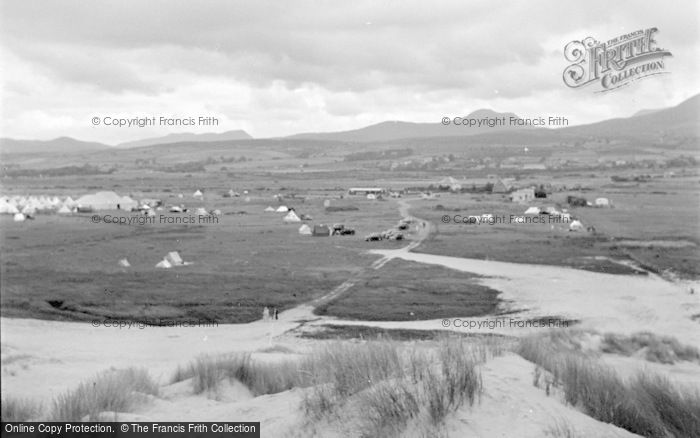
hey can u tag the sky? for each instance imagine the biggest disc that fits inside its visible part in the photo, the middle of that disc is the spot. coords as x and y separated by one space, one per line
279 68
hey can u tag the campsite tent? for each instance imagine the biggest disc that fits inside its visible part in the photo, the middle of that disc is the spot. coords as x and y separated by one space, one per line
305 230
576 226
197 194
532 210
19 217
371 196
201 212
124 263
291 217
269 209
282 209
106 201
602 202
174 258
164 264
64 210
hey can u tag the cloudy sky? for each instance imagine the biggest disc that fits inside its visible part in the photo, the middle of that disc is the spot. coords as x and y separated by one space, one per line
278 68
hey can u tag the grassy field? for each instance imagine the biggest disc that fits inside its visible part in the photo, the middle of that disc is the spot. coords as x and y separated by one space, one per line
661 211
405 291
243 263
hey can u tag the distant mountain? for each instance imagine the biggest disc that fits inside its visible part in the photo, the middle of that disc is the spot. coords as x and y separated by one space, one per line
644 112
395 130
186 136
61 144
681 120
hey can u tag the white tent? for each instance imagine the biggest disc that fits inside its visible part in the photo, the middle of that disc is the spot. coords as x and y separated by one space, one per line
197 194
269 209
64 210
124 263
105 201
8 208
371 196
174 258
602 202
164 264
305 230
576 226
201 212
532 210
175 209
282 209
291 217
29 209
327 203
69 202
19 217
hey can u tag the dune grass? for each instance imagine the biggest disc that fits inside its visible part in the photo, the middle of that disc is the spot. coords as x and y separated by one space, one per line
207 372
19 409
115 390
648 405
379 386
661 349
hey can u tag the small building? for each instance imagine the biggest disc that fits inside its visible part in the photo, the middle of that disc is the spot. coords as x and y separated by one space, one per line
523 195
322 230
366 191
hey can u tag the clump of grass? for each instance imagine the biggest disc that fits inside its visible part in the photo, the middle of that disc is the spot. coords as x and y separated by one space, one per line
341 370
19 409
661 349
394 385
388 407
117 390
561 429
207 373
647 405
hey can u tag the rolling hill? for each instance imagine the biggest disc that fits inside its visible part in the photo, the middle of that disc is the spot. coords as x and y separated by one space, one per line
396 130
61 144
187 137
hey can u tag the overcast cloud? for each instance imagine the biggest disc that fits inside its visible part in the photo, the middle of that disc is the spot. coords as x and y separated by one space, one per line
279 68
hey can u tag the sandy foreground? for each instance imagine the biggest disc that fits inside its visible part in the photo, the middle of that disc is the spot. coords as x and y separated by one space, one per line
40 359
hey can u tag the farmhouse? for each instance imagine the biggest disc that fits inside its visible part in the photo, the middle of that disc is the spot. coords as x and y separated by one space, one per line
523 195
366 191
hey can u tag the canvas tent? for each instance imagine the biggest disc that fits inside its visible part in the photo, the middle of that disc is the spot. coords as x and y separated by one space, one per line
532 210
576 226
282 209
201 212
164 264
291 217
124 263
197 194
269 209
64 210
602 202
19 217
106 201
174 258
305 230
